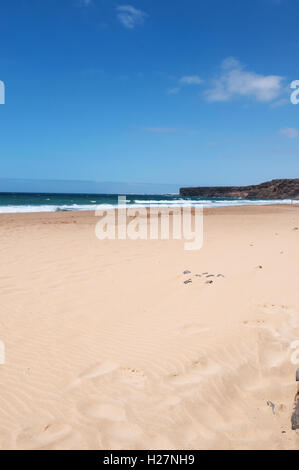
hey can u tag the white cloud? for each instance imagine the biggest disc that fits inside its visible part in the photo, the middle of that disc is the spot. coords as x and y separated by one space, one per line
185 80
191 80
235 81
289 132
130 17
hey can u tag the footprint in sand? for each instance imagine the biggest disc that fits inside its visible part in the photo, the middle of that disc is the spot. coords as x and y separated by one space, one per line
254 323
97 370
193 329
197 371
285 320
272 353
169 401
273 309
103 411
189 378
133 377
205 366
123 435
38 437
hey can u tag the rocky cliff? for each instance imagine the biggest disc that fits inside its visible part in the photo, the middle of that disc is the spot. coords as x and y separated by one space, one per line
275 189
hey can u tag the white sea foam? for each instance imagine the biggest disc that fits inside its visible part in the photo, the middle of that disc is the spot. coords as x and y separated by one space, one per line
8 209
44 208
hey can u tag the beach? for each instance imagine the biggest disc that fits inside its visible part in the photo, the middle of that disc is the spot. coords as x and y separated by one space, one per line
107 347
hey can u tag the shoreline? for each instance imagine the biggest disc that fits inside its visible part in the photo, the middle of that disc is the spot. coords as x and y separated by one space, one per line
140 204
80 215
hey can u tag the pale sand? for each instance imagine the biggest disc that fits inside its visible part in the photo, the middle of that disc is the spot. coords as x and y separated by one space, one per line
107 348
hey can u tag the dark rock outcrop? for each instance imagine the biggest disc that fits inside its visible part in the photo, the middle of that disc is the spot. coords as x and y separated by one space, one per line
275 189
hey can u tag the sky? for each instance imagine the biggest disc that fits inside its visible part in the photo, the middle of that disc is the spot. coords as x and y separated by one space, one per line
191 92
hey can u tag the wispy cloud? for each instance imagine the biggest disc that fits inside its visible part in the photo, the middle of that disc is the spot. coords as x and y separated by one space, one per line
281 102
185 80
171 130
191 80
160 130
173 91
289 132
130 17
235 81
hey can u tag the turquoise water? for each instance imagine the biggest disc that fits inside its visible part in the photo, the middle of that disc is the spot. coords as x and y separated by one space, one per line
26 202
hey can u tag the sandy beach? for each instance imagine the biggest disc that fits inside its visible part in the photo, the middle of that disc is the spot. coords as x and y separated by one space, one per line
108 348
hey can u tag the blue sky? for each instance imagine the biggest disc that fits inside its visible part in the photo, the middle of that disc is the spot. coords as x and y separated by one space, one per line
186 92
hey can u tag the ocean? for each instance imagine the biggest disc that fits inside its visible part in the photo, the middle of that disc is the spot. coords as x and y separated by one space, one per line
35 202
